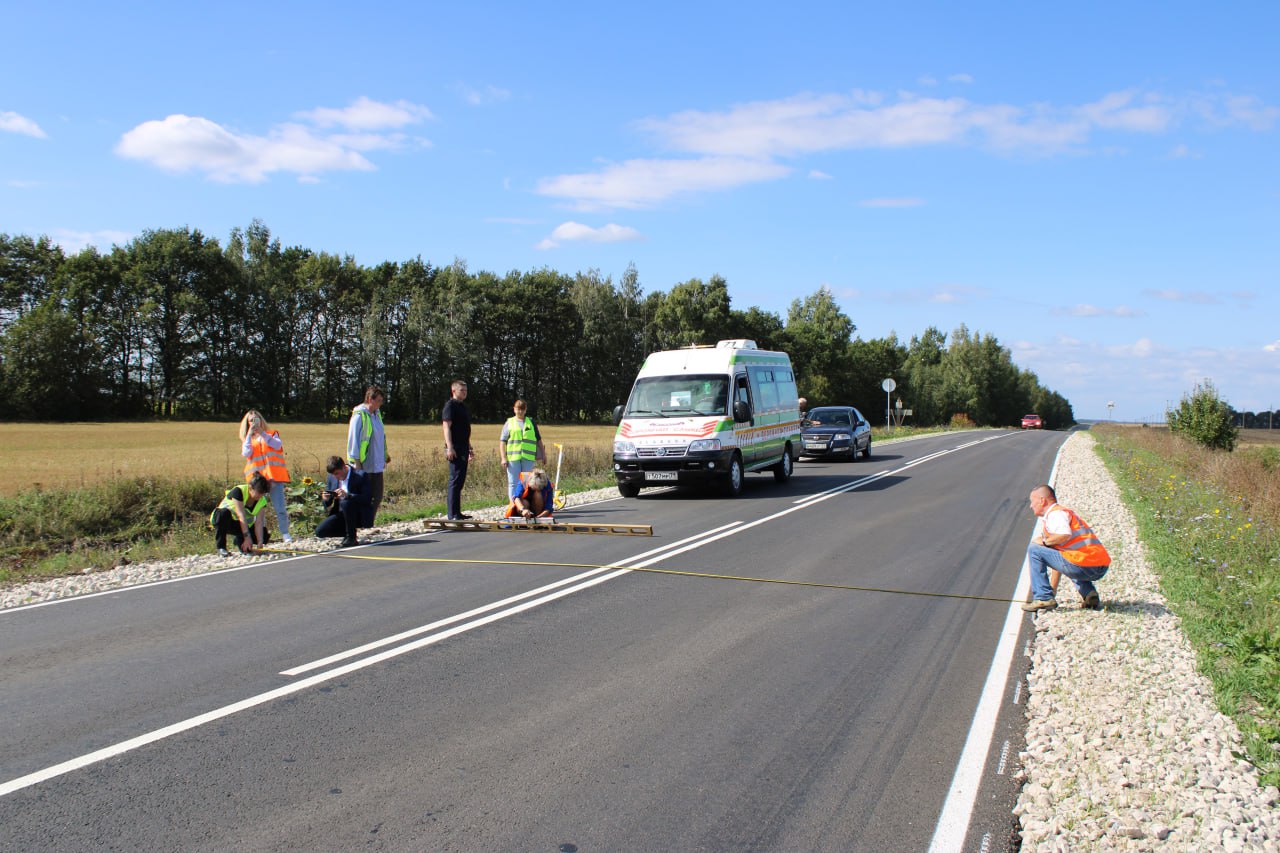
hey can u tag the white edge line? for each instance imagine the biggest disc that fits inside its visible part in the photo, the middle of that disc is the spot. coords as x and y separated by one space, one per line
122 747
957 810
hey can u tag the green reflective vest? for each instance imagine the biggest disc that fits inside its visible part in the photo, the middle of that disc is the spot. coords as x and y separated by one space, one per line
522 444
229 503
367 423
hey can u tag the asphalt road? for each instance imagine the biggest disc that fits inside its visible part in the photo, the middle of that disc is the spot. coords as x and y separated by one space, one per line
505 692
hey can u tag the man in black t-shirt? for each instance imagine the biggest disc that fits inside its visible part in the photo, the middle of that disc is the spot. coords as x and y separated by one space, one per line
457 447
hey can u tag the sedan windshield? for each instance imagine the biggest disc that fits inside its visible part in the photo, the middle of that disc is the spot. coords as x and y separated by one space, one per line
829 417
664 396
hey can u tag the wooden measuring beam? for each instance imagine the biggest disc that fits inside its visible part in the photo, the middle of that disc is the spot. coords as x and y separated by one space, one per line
519 525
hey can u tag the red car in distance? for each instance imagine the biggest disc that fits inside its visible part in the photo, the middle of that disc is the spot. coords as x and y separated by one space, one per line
1032 422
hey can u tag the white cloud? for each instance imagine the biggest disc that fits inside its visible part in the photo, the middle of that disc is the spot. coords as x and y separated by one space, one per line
73 241
1272 347
1118 111
1085 310
960 78
1141 348
180 143
743 143
11 122
367 114
570 232
891 202
485 95
1193 296
1226 109
819 175
643 183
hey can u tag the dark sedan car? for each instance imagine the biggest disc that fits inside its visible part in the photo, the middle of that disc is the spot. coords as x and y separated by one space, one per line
835 431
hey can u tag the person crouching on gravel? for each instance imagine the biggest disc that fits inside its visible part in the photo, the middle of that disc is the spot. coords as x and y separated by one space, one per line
240 514
1066 546
536 499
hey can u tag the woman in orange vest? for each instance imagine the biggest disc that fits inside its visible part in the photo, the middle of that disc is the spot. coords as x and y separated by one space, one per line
264 454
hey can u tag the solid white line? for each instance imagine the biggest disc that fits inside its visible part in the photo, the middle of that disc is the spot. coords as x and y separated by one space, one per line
288 689
660 553
413 632
957 811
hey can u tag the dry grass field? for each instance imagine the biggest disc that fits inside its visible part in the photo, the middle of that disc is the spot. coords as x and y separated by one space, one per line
81 454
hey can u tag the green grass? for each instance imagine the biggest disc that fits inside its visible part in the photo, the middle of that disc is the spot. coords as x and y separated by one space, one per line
1211 524
48 533
91 520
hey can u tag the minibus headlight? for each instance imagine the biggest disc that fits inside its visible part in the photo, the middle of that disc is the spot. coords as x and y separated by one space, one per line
703 445
624 448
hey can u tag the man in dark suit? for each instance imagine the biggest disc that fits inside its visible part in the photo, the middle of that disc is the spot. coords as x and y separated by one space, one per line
348 496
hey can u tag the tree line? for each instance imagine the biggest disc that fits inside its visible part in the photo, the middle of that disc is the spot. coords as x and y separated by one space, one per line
175 324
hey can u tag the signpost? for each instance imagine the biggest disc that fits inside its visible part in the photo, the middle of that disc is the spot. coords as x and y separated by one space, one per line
888 385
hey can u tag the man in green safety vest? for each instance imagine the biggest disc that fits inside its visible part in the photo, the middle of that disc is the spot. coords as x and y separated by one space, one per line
519 447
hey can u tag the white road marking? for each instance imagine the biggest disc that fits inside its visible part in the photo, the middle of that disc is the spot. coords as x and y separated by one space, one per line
587 580
953 822
413 632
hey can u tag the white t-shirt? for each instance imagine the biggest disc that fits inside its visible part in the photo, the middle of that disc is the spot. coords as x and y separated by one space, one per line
1056 521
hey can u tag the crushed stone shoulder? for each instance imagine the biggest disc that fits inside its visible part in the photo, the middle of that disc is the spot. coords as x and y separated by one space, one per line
1125 748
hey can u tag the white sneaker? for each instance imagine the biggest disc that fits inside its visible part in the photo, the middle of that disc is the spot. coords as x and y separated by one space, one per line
288 540
223 552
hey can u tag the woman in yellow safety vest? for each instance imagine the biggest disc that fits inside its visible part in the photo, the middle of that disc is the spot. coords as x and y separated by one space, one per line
519 447
264 454
240 514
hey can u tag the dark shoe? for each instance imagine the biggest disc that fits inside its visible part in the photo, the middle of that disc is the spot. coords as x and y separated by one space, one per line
349 542
1040 604
1092 602
463 517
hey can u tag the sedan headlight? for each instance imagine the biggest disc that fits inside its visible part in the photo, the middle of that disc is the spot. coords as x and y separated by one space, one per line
842 436
624 448
703 445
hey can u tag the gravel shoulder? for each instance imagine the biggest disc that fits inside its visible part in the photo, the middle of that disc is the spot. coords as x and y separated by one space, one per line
1124 749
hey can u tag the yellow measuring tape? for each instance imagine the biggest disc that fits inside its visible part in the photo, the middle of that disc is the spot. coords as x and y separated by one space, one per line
674 572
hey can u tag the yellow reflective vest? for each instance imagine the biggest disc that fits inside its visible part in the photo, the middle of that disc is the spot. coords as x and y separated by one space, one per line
229 503
522 444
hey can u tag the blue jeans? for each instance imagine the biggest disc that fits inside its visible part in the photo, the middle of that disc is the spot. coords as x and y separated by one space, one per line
278 504
514 470
1041 558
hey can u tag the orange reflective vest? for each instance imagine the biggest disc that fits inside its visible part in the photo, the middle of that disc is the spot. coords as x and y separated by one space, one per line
1084 548
263 457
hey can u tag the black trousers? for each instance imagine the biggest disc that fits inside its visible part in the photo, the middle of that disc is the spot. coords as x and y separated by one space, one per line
375 490
225 521
457 479
343 521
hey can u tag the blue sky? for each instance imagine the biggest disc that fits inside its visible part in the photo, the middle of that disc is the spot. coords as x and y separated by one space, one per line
1094 184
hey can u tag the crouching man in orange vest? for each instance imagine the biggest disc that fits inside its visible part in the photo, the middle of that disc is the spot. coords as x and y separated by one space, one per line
1067 546
536 500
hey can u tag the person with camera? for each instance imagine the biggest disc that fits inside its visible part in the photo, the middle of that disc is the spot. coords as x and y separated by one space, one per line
348 497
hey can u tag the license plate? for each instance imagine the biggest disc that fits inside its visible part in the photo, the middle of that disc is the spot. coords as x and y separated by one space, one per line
660 475
813 445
